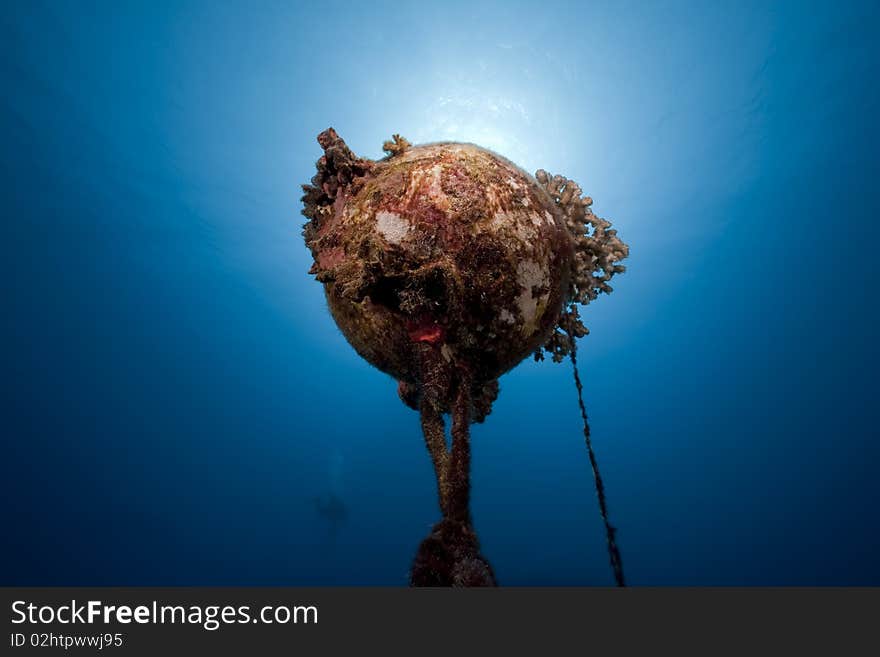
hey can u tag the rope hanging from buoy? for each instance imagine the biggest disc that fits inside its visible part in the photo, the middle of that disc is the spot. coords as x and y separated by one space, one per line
610 531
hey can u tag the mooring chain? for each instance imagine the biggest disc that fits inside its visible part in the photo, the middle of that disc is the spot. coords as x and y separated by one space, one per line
610 531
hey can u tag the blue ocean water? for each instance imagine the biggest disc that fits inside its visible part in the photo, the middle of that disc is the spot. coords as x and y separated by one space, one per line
176 395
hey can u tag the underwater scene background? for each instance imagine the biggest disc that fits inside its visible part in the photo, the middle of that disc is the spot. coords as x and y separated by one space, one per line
179 407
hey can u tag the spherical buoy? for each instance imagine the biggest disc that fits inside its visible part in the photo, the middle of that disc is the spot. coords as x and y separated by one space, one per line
445 265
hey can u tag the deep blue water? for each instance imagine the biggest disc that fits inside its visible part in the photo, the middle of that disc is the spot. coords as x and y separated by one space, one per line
176 394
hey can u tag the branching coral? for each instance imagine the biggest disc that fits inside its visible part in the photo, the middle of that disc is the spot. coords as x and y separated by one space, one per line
598 252
395 145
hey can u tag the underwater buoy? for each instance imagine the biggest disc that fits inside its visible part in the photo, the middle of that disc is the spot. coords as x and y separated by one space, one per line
445 265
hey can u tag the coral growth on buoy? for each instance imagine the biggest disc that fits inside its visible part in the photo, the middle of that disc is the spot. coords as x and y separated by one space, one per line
445 265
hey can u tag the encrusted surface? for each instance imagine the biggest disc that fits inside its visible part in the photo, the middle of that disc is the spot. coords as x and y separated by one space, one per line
446 244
